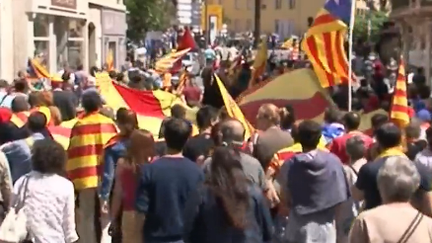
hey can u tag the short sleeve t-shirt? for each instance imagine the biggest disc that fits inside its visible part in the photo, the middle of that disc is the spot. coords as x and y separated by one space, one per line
367 181
162 192
199 145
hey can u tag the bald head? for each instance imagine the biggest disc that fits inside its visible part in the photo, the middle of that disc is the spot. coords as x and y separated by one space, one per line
232 131
20 104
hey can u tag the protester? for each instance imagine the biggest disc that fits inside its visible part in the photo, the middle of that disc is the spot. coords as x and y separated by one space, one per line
312 194
351 122
395 220
82 167
5 186
356 150
425 156
19 104
231 134
49 204
389 138
197 148
272 138
332 127
228 208
65 99
177 111
115 149
140 151
164 186
414 144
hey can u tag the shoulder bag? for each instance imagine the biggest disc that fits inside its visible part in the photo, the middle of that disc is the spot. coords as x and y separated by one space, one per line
14 226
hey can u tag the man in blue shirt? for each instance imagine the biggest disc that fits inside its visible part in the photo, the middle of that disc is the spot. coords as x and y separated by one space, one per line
164 187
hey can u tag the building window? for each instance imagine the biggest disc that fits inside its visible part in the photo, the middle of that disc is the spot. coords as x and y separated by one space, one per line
237 25
69 34
112 50
278 4
42 52
237 4
248 24
291 4
41 25
277 26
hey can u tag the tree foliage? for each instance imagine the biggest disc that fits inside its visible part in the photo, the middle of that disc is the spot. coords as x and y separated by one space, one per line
148 15
377 18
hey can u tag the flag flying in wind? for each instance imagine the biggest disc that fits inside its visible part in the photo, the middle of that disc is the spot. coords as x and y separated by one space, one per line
260 63
172 61
233 109
324 42
167 62
35 70
87 140
399 112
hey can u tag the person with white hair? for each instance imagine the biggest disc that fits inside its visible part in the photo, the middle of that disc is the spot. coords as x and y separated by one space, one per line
396 220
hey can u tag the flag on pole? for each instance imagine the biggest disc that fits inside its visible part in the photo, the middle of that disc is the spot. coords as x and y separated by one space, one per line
233 109
399 112
324 42
260 63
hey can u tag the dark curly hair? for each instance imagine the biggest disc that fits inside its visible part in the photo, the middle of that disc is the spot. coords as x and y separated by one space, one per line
52 164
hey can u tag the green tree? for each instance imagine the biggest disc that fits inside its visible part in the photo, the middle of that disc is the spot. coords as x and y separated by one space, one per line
377 18
148 15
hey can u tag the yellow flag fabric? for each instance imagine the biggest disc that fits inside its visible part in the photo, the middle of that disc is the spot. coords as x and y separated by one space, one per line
233 109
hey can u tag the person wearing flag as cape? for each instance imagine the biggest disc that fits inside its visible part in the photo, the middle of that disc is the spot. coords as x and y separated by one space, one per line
87 140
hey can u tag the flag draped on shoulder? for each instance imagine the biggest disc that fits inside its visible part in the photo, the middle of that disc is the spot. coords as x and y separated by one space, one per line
324 42
88 138
399 112
233 109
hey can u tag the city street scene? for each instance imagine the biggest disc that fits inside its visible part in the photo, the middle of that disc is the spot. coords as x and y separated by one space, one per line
215 121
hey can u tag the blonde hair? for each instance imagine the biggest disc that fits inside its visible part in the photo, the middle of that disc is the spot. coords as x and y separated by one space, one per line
271 113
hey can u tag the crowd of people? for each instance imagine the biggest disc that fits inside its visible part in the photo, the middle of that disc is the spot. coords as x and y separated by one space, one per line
290 182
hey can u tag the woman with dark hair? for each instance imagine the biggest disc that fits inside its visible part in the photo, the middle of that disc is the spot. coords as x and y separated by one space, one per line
127 122
140 150
228 207
49 197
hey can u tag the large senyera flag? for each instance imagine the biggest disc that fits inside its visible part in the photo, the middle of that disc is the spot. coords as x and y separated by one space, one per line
88 138
324 42
151 108
399 112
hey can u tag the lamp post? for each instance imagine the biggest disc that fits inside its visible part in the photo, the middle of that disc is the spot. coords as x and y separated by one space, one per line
257 27
206 24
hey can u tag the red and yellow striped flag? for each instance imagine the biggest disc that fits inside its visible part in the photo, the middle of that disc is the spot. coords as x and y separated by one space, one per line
233 109
324 43
167 62
87 140
260 63
399 112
